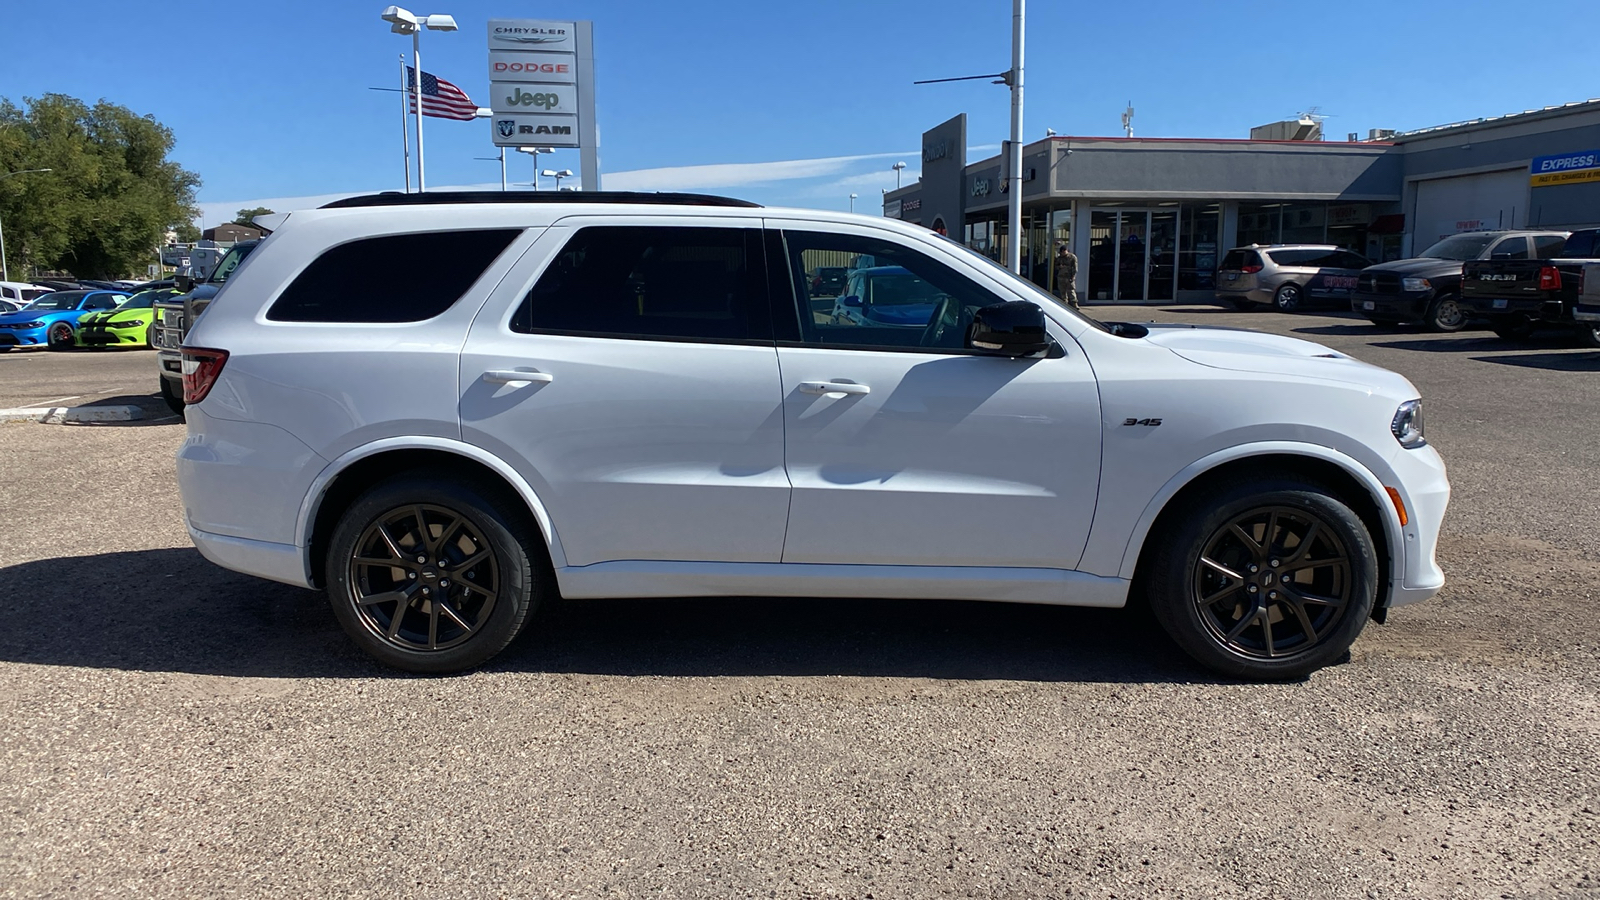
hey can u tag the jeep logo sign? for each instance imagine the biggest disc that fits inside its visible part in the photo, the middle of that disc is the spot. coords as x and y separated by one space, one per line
939 150
514 96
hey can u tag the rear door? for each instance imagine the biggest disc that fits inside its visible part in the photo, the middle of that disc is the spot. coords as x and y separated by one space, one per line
626 368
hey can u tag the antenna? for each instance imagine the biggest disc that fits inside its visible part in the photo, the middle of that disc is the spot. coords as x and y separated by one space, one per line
1127 120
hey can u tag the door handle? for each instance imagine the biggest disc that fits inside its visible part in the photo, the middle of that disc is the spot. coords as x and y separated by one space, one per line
833 387
513 376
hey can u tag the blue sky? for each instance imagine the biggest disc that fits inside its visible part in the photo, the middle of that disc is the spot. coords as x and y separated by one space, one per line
780 102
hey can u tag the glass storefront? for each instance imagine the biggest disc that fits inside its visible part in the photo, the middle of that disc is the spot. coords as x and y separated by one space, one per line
1315 222
1197 248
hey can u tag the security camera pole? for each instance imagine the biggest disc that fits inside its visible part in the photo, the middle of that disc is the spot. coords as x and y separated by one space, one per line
404 21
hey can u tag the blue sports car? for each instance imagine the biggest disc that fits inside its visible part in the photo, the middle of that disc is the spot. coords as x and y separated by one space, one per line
885 295
52 319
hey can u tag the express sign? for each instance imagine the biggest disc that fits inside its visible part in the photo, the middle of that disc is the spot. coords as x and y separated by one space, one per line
1565 168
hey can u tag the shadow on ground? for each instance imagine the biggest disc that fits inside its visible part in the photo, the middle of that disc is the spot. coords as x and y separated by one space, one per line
1571 361
171 611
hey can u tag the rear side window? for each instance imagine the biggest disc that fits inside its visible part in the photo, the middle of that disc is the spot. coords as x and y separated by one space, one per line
1296 257
1238 259
665 283
1582 245
1510 248
395 278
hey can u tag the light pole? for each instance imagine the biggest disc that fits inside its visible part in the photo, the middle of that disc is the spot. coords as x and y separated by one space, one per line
898 168
5 274
557 175
536 151
404 21
500 159
852 202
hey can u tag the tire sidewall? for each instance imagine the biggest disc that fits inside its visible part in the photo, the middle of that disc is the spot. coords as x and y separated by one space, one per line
1171 586
514 603
57 343
1432 317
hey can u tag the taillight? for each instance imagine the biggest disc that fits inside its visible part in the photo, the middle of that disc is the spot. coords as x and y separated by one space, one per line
1250 270
201 366
1549 278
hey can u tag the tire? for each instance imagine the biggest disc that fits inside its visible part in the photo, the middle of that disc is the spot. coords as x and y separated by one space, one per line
173 399
1589 336
1288 298
1384 321
1445 315
1235 634
468 541
150 337
1512 329
60 336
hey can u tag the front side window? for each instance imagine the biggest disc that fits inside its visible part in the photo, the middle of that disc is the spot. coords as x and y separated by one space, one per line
394 278
652 282
894 297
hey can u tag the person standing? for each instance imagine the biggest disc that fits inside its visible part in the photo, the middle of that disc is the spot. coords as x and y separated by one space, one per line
1067 276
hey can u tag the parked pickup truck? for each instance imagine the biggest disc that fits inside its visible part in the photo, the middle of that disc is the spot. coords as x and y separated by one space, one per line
1427 288
175 316
1517 295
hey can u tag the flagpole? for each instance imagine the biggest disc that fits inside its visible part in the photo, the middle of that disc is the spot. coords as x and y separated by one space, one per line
416 57
502 168
405 128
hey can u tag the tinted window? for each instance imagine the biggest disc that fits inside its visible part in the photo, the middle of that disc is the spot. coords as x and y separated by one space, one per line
397 278
1297 258
1510 248
1582 245
1458 246
891 295
1345 259
681 283
1238 259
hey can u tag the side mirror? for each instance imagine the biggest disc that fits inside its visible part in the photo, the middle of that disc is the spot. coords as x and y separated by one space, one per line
852 300
1015 328
183 282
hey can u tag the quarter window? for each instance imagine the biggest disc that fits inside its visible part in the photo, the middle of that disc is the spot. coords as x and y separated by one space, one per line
661 283
891 297
395 278
1546 246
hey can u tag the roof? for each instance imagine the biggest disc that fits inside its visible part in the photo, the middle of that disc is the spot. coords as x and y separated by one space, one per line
390 198
1542 112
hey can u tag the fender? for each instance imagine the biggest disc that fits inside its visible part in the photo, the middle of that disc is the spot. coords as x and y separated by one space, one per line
1393 532
319 486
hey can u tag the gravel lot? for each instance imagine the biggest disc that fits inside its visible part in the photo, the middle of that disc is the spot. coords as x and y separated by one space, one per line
170 729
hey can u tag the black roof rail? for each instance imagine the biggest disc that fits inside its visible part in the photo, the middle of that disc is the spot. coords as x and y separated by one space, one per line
395 198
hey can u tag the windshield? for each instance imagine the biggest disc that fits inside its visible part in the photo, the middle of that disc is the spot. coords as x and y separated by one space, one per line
1458 246
1032 288
58 300
141 300
230 262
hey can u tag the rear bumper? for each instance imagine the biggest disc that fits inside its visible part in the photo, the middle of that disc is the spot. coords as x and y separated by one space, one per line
1530 307
1254 295
284 563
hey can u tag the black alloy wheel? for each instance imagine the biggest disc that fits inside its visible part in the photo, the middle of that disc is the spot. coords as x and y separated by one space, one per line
427 575
1268 579
1445 315
1288 298
59 337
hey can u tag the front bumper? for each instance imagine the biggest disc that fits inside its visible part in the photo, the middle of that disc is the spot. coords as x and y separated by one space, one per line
1425 490
111 337
16 337
1400 306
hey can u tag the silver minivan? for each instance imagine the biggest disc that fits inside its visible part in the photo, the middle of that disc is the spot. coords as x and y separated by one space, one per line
1288 276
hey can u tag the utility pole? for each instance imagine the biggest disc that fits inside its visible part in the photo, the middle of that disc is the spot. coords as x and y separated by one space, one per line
1014 202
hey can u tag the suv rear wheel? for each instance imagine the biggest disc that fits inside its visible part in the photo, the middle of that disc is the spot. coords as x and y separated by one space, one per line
1288 297
1267 578
428 575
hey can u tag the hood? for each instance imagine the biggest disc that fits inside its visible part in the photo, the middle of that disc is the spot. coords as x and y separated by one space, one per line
1270 354
1422 267
40 315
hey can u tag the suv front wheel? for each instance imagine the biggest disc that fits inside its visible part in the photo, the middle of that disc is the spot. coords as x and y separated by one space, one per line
427 575
1268 578
1445 315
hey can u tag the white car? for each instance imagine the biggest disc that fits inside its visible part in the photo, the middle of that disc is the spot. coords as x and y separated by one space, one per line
444 409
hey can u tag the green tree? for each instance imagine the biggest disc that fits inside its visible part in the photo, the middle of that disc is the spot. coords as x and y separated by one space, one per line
111 193
245 215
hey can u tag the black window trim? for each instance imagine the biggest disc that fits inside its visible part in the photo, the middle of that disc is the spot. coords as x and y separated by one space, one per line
576 224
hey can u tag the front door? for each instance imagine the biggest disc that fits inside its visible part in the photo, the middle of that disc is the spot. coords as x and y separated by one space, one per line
626 368
906 449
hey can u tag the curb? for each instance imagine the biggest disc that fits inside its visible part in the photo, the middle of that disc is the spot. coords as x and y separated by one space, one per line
61 415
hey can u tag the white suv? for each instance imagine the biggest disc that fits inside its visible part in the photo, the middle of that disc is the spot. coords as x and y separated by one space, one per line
446 408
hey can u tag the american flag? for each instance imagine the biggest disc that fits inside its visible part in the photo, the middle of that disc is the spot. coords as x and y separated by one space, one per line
440 98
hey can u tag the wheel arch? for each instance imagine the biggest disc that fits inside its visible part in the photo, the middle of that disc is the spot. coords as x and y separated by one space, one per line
1355 484
355 471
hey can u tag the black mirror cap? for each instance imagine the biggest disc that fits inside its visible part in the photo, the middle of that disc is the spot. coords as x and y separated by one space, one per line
1013 328
184 283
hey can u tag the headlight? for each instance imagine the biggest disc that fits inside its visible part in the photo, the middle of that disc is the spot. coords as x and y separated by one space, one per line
136 323
1416 284
1407 425
35 324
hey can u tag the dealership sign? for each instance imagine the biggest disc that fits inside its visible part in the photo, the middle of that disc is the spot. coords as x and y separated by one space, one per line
1565 168
541 84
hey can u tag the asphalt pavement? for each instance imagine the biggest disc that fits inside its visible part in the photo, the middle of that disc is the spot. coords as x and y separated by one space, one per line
170 729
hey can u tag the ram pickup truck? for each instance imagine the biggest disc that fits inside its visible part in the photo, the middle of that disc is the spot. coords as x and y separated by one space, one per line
1518 295
1427 288
175 316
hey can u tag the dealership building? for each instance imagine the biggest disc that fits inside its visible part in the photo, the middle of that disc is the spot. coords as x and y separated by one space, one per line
1149 217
